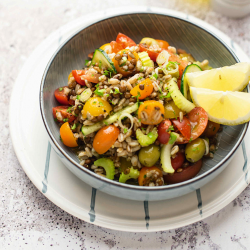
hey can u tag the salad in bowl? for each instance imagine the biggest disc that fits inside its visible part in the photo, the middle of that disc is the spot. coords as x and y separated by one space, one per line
148 114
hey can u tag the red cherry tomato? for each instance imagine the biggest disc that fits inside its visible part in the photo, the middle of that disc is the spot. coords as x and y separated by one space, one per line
186 174
198 118
91 77
163 44
125 41
163 133
105 138
183 126
67 116
116 47
143 173
178 160
61 97
152 54
211 129
77 75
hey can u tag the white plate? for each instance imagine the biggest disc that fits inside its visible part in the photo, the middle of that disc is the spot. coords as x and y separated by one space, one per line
58 184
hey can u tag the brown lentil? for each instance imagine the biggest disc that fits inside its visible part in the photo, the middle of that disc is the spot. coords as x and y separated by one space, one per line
118 57
131 66
100 118
141 87
122 89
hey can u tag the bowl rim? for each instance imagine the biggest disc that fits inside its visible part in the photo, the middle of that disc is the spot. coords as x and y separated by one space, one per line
124 185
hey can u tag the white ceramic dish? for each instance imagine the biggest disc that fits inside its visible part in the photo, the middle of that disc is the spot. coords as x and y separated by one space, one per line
58 184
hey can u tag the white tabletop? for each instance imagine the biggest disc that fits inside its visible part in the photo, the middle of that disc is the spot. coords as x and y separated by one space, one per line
28 219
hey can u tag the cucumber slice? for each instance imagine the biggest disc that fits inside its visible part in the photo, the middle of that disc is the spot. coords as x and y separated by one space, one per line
90 129
149 41
166 154
184 84
148 139
180 101
145 59
102 58
85 95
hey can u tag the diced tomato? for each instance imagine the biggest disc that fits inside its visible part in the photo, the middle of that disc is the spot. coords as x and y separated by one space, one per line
90 55
77 75
183 126
152 54
66 115
61 97
125 41
116 47
163 131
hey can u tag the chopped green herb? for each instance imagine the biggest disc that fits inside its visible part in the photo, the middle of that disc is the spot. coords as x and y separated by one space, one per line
55 119
69 109
139 78
195 149
111 91
172 138
125 130
106 123
123 64
170 128
155 76
65 119
214 128
144 176
74 126
101 104
99 92
78 97
138 95
86 62
61 138
190 139
117 91
143 128
141 70
168 95
94 102
108 72
60 89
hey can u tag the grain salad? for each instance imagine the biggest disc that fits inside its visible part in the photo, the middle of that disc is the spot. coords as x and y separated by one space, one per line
129 115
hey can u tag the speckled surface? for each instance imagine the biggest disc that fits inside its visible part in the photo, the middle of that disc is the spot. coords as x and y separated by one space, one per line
28 220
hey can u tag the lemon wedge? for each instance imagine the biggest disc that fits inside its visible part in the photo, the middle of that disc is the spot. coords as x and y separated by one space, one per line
229 78
228 108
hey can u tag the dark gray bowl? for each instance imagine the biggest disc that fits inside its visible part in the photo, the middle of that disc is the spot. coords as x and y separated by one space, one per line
179 33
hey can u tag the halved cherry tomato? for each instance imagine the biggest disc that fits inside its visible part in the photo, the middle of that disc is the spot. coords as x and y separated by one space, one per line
198 118
163 44
67 116
151 112
120 69
181 63
107 48
183 126
91 77
61 97
152 54
125 41
143 90
105 138
143 174
96 106
186 174
178 161
116 47
77 75
211 129
67 136
163 131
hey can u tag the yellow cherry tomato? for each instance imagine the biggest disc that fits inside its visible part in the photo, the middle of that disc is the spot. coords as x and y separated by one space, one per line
67 136
96 106
151 112
143 90
120 69
107 48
